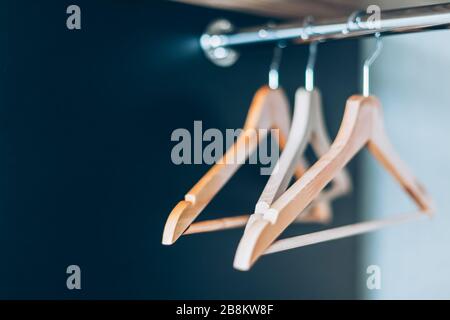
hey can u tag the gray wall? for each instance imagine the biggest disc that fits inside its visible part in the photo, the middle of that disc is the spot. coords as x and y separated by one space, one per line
412 79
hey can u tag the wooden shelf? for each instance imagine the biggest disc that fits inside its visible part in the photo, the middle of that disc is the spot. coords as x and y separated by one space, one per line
292 9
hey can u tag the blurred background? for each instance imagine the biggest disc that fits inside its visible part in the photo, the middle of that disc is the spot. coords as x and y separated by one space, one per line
411 80
86 118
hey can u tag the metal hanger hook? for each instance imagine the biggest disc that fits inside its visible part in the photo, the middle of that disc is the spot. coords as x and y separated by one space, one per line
309 73
274 80
368 63
353 21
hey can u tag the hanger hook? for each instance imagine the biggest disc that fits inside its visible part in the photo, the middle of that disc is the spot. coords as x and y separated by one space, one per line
368 63
353 21
274 81
309 73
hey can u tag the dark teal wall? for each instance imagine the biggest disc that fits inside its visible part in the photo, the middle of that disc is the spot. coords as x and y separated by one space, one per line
85 171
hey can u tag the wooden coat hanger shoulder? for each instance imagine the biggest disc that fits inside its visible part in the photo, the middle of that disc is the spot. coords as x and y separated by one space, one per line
362 126
307 127
269 109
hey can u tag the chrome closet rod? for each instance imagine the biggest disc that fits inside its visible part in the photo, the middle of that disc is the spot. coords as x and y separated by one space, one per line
223 36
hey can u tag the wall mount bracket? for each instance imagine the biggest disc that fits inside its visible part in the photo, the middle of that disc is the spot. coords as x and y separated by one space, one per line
212 43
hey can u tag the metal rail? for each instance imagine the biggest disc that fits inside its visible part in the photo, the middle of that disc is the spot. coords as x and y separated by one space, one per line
221 38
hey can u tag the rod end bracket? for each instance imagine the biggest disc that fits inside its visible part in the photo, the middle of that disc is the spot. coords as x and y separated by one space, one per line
214 43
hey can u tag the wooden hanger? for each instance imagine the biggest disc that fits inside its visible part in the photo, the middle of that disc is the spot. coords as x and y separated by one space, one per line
307 127
269 109
362 126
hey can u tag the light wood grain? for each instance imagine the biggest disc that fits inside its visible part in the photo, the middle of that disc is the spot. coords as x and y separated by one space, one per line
340 232
320 213
290 9
269 109
308 127
296 9
362 126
